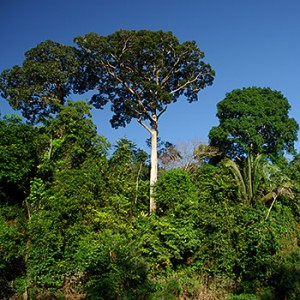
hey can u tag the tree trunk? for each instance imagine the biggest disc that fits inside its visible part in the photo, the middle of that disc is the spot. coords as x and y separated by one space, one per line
154 163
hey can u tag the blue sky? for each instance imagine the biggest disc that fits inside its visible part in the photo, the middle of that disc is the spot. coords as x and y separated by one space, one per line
247 42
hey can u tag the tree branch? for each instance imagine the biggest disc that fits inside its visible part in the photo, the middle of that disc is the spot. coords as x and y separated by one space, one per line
144 125
167 77
161 112
185 84
137 183
122 82
273 202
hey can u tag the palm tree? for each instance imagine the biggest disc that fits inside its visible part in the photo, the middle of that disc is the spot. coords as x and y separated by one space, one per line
258 180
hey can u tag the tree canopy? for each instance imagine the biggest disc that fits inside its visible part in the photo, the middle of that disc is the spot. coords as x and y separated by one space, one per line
44 80
254 120
141 72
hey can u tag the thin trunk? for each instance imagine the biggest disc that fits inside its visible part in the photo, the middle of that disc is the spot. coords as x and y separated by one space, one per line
137 183
250 187
49 154
273 202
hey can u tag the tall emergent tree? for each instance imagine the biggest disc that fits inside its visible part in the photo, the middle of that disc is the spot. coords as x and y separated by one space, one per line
44 80
254 120
141 73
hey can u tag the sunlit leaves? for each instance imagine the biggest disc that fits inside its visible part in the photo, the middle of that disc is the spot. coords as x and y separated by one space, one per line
71 137
175 194
44 80
254 120
141 72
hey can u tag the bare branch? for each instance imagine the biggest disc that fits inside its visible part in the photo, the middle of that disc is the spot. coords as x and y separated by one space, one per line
122 82
125 46
187 83
157 76
173 69
109 64
167 77
162 112
137 183
272 204
144 125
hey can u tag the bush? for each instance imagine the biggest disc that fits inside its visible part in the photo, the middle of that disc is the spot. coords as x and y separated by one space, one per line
286 278
175 194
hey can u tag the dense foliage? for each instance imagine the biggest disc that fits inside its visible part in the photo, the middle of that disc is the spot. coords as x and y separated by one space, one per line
254 120
139 72
45 79
75 223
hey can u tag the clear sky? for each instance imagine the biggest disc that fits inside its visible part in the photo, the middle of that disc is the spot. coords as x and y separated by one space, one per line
247 42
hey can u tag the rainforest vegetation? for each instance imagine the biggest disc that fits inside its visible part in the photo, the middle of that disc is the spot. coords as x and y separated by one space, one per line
81 218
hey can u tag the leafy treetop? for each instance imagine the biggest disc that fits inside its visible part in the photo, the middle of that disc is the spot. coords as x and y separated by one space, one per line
254 120
141 72
44 80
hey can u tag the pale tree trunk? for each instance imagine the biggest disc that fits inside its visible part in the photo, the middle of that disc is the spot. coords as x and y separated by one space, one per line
153 172
154 161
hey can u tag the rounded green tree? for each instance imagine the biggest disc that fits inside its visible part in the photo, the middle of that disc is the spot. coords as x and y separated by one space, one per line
254 120
45 79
